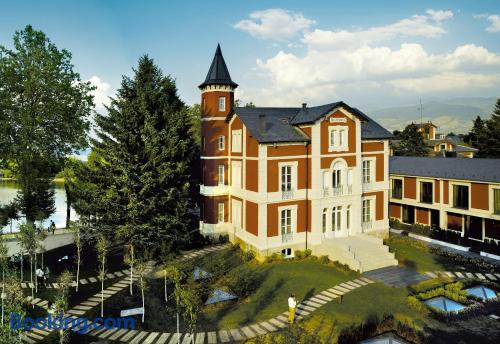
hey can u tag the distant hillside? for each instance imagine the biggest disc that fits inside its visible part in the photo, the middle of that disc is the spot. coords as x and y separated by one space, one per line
449 115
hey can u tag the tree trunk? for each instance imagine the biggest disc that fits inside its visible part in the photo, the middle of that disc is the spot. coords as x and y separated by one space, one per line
22 267
78 271
68 204
143 307
166 296
102 290
131 267
36 278
3 289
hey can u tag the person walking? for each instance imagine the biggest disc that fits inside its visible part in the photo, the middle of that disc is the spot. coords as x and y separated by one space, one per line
52 227
46 276
39 277
292 304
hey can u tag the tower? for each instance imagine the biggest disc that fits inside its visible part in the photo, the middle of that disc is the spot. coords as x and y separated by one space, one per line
217 101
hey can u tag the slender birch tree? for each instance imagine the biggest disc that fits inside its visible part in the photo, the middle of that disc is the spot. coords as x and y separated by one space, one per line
102 251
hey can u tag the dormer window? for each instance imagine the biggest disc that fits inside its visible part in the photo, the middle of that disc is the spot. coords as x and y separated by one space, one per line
222 103
337 138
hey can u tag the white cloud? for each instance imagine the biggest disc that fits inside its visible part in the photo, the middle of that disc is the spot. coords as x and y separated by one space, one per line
418 25
344 62
439 15
494 20
275 24
446 82
101 93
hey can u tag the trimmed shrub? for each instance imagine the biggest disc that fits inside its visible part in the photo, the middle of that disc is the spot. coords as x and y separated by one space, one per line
324 259
417 305
307 252
244 280
275 257
313 258
248 256
299 254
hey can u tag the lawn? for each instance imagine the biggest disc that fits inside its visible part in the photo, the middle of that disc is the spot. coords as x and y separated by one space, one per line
304 278
373 300
415 254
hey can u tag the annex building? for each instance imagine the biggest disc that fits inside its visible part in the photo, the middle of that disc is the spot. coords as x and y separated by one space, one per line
455 194
280 179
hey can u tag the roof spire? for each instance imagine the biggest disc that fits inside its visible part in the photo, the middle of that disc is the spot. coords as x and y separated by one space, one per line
218 74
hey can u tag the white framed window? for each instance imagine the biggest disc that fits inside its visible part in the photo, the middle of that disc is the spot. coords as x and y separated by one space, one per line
222 103
220 173
336 176
286 221
367 171
367 210
348 217
220 212
236 173
325 211
336 218
236 141
337 138
287 252
286 178
221 142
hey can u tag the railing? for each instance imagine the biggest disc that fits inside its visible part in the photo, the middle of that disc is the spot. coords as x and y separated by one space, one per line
286 237
367 225
286 194
340 190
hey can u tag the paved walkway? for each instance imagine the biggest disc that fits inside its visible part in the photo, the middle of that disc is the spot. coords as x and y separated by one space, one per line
464 274
38 335
82 281
396 276
305 308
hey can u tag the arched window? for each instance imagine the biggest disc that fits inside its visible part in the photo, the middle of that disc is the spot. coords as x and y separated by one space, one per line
337 174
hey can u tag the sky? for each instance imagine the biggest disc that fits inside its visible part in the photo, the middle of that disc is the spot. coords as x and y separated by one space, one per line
370 54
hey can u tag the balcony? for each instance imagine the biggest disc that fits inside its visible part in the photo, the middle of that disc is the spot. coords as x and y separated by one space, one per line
286 237
341 190
286 194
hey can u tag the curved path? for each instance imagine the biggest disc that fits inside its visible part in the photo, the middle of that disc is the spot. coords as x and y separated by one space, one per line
463 274
237 334
38 335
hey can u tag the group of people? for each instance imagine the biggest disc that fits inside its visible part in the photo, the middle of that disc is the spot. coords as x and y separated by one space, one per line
42 276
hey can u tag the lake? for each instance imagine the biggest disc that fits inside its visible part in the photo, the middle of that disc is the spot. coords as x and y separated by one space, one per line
8 191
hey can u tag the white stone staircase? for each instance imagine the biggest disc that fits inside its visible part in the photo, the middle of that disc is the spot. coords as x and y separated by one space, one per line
361 252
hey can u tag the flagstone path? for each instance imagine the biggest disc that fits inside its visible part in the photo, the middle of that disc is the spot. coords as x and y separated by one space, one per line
396 276
463 274
304 309
38 335
82 281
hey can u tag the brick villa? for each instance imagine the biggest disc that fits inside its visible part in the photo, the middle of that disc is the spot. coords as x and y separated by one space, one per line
291 178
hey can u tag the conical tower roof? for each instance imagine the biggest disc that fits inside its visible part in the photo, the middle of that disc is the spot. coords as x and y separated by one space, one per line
218 74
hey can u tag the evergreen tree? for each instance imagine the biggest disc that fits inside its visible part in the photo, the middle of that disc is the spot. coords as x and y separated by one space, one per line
489 142
475 136
411 142
139 178
44 116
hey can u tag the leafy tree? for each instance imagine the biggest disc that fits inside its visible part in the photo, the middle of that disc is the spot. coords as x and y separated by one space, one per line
411 142
142 269
397 134
44 116
61 301
11 213
77 227
68 173
28 242
4 263
139 177
13 302
194 115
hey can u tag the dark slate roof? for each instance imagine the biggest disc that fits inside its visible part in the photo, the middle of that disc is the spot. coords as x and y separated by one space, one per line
312 114
281 122
277 127
218 74
481 170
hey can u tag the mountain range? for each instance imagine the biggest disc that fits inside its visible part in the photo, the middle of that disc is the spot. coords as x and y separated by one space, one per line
450 115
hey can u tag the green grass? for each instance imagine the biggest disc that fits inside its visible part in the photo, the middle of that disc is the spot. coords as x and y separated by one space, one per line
372 300
415 255
303 278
